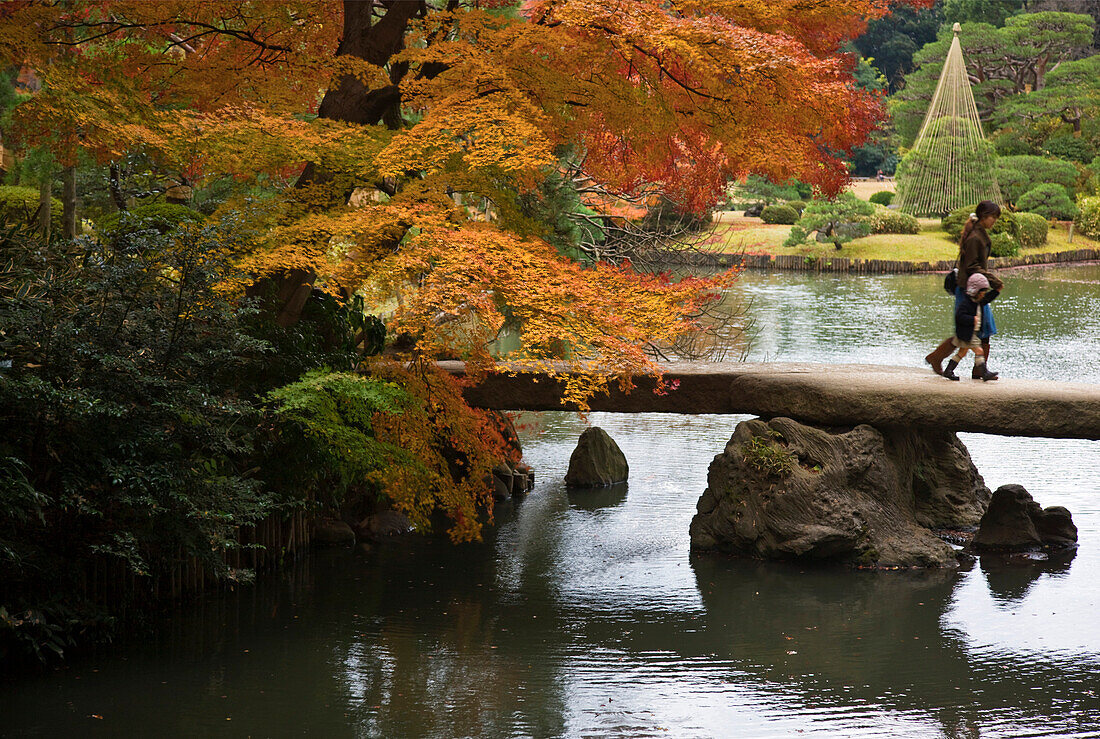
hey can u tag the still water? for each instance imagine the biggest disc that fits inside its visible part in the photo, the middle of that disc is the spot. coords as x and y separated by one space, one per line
584 615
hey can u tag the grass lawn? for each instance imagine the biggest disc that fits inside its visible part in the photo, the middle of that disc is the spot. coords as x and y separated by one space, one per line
735 233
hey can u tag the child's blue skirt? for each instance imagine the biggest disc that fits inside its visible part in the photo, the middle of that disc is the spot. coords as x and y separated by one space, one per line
989 326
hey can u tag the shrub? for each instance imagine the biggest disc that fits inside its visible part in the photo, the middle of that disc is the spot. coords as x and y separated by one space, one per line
1003 245
1049 201
1068 146
837 221
894 222
122 425
160 217
19 205
1033 230
954 221
798 205
1018 174
783 214
882 197
1087 221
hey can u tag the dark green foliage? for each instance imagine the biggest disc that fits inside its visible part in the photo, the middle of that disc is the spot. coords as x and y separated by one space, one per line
1049 200
782 214
1018 174
124 438
882 197
19 207
798 205
1067 146
1003 245
993 12
1008 142
890 42
160 217
1034 229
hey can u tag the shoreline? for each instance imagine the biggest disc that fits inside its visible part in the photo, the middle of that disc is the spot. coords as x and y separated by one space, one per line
839 264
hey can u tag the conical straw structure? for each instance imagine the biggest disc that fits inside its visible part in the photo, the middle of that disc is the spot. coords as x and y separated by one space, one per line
951 164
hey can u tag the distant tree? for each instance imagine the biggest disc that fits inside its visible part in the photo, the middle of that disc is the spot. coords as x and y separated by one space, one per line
999 61
993 12
890 42
1018 174
1071 94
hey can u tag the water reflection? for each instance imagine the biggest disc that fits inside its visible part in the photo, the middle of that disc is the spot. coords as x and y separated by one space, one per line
1010 576
593 499
583 613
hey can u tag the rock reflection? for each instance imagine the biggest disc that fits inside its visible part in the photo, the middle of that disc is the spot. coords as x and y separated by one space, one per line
593 499
1010 576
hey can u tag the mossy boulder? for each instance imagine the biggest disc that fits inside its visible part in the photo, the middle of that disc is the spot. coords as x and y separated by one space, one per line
597 461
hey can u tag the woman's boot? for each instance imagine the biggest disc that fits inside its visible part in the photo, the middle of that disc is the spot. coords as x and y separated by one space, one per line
949 372
938 355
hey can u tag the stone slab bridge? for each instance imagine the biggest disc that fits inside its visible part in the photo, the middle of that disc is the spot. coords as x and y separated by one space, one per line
825 395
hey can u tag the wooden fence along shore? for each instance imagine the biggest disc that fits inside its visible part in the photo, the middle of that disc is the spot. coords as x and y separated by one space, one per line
800 263
280 538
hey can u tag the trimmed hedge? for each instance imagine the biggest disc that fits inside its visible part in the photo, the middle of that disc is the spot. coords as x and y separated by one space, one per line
799 205
783 214
882 197
1003 245
1087 221
1033 230
894 222
18 205
954 221
1049 200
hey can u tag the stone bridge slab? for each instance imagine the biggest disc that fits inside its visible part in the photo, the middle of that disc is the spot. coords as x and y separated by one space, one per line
826 395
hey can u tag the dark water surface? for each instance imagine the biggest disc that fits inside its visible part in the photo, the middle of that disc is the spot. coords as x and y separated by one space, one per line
584 615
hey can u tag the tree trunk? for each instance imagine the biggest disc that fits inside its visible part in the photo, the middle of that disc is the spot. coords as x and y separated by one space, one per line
353 102
45 192
68 202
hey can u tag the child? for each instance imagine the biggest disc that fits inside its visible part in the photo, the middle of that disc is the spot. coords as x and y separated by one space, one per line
968 322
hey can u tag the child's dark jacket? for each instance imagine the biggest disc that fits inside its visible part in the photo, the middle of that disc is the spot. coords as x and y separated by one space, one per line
965 312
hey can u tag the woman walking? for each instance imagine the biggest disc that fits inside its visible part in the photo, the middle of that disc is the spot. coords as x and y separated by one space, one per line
974 249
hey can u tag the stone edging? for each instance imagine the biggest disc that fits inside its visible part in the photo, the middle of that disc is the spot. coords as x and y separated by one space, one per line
798 263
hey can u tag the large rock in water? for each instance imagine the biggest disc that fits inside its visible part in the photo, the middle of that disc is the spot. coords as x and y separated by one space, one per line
596 462
861 496
1015 522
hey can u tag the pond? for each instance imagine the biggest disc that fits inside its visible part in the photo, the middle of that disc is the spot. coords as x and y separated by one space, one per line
583 614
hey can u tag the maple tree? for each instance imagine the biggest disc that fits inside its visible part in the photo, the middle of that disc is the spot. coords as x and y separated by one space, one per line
393 126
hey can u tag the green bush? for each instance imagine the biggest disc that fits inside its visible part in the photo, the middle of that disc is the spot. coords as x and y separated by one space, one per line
125 439
1067 146
18 206
1049 200
836 221
1087 221
160 217
1033 230
894 222
798 205
882 197
1003 245
954 221
783 214
1018 174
